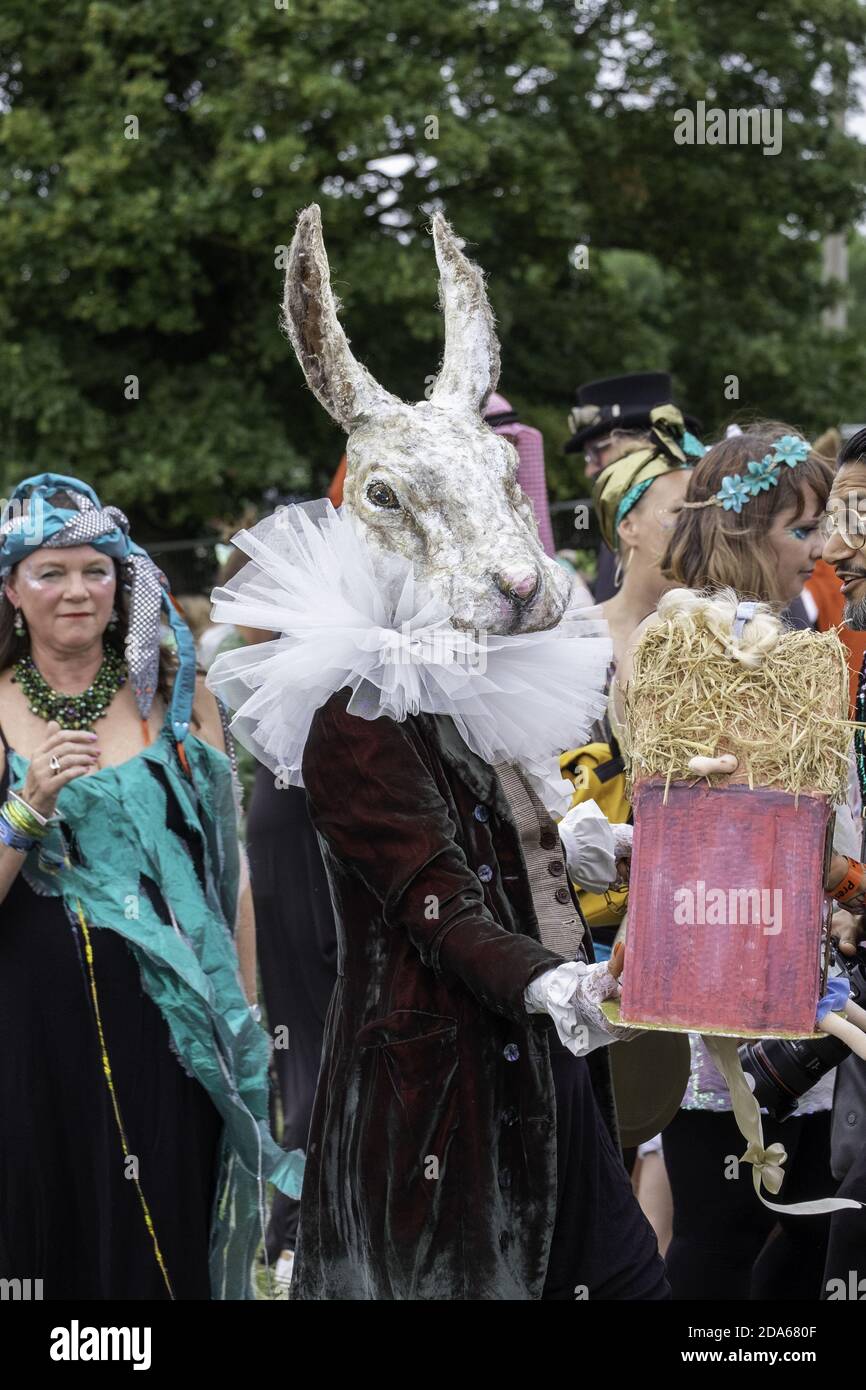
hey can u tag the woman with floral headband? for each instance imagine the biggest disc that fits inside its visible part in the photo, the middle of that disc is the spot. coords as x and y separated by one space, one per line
750 522
751 517
133 1076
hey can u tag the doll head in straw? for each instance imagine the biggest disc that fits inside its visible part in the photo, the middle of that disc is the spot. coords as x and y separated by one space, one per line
751 516
703 683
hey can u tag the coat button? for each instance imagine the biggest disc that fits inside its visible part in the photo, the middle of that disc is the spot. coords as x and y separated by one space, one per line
511 1052
851 1117
555 867
509 1116
485 873
548 839
562 895
482 814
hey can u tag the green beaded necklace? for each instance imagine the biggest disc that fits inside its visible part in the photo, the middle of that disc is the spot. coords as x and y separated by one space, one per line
71 711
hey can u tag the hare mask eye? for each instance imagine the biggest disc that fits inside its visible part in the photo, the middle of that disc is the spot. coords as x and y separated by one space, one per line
382 496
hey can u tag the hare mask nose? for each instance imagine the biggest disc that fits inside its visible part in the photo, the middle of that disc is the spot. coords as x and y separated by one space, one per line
519 587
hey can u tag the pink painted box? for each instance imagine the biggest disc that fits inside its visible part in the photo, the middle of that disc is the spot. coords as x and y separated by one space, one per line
726 907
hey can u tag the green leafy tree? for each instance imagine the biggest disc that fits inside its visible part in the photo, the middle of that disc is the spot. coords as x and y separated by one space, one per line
154 157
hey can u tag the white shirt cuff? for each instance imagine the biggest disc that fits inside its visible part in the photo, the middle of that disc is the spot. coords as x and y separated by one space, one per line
572 994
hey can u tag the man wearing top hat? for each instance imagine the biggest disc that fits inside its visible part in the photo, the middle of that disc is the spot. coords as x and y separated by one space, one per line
610 414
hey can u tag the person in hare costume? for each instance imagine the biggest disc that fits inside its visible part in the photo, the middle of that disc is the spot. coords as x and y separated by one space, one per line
431 667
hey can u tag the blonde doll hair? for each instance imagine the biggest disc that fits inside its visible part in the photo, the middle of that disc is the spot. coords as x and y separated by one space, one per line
691 611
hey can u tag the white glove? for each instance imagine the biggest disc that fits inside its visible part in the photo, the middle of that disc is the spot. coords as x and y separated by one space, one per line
572 994
592 846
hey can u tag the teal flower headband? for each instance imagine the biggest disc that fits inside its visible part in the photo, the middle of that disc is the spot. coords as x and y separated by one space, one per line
739 488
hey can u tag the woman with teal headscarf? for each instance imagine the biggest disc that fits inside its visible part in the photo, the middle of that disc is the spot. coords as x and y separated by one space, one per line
134 1146
636 499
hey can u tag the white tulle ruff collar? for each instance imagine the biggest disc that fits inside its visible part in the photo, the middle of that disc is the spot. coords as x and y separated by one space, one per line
312 579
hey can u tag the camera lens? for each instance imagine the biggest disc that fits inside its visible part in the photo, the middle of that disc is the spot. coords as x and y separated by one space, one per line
783 1069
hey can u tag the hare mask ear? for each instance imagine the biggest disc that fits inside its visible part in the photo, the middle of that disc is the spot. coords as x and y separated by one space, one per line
470 364
334 375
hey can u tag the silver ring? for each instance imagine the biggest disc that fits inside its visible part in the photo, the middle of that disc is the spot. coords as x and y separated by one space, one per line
54 763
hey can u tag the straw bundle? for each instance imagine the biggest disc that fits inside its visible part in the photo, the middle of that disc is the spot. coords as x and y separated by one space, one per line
775 698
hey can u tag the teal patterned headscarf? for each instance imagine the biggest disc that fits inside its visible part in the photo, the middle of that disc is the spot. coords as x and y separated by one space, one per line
622 484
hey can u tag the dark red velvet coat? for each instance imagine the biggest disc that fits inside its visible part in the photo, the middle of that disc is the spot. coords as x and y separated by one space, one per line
431 1164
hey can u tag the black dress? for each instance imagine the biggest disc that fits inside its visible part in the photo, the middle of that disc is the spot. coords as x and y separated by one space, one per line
297 949
69 1214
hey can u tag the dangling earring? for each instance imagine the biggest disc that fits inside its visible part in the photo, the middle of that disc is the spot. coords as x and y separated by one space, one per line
19 623
621 567
112 622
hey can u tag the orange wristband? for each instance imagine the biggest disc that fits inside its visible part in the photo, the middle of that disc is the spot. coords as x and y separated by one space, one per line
852 883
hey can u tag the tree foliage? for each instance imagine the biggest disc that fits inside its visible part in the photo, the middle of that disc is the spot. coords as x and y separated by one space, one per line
537 124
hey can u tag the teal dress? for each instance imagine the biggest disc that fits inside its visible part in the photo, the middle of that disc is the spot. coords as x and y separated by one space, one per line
135 1146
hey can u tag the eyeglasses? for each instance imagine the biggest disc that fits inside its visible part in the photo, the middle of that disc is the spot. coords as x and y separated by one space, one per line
593 452
846 522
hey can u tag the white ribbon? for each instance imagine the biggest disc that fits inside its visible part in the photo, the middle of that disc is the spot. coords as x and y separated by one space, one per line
766 1162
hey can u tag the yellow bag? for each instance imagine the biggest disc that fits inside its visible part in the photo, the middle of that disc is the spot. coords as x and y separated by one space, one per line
596 771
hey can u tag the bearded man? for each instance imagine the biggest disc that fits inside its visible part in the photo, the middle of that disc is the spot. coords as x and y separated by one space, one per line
845 550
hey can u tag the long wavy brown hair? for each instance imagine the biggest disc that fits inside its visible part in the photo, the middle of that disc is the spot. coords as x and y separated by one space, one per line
13 646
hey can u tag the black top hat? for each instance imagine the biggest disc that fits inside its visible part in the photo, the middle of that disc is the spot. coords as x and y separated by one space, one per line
619 403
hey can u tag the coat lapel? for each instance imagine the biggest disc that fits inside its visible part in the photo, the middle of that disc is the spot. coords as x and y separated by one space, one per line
479 776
